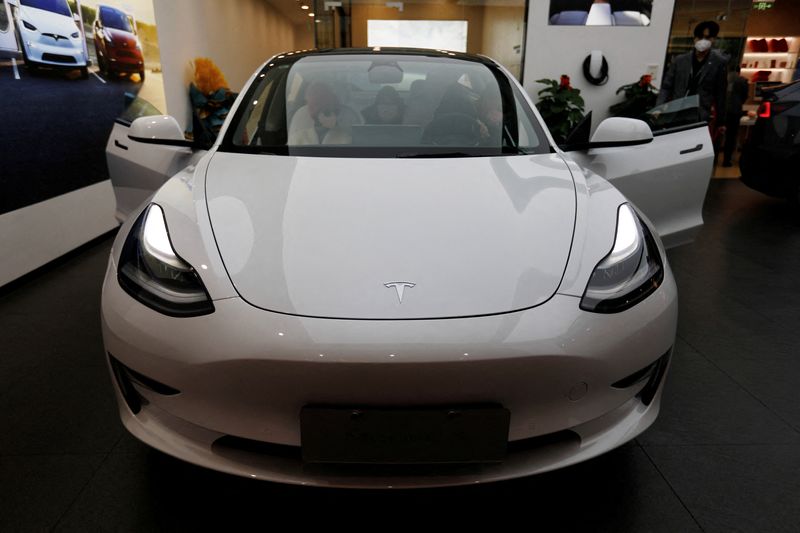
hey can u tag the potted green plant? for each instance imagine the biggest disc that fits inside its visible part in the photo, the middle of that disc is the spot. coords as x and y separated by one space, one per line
561 106
640 97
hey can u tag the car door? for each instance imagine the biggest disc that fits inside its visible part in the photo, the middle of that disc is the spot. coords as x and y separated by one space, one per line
138 169
8 36
667 179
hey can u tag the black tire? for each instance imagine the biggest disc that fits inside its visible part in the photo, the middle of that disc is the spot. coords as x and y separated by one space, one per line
141 76
84 73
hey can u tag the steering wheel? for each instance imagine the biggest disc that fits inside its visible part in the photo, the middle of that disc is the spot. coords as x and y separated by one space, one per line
453 129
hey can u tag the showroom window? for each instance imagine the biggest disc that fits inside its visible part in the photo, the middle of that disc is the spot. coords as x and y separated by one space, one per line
494 29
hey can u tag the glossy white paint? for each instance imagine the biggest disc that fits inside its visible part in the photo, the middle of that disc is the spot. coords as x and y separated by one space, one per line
620 129
666 179
247 372
138 169
162 127
321 236
36 43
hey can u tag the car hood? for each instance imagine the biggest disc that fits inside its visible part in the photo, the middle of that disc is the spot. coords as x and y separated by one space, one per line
48 22
347 238
122 38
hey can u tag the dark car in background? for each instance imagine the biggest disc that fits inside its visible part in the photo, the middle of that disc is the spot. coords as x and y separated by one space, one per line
770 161
116 42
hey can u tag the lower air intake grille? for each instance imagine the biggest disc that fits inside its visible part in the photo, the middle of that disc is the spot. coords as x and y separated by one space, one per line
58 58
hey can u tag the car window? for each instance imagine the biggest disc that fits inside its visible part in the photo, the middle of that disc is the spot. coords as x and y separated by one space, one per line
115 19
55 6
673 114
136 107
370 105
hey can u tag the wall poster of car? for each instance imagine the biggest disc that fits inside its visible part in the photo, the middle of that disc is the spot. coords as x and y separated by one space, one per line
600 12
69 69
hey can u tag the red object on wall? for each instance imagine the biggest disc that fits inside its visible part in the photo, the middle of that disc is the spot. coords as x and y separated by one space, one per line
758 45
778 45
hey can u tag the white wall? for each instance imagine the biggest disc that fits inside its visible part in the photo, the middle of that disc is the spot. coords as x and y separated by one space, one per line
551 51
237 35
35 235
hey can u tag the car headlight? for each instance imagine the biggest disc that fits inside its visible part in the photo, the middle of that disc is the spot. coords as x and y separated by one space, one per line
152 273
630 272
28 25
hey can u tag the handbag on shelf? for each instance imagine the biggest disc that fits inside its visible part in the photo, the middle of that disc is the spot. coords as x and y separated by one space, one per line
778 45
758 45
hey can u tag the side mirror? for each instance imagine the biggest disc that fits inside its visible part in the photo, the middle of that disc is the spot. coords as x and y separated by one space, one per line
616 132
158 129
630 131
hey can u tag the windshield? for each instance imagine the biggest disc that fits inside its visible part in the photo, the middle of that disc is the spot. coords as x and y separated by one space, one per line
56 6
383 105
115 19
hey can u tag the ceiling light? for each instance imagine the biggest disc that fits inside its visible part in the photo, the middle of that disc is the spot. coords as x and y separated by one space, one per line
304 6
311 14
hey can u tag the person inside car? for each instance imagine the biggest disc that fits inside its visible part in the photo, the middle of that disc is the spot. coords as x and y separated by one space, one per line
388 108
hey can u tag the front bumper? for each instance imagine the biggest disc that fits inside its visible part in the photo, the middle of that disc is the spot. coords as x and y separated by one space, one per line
39 50
125 60
245 373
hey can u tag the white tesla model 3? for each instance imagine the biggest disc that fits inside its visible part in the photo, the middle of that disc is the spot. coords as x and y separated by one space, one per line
385 273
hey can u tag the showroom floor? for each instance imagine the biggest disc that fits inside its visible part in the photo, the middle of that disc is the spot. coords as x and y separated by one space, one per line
723 456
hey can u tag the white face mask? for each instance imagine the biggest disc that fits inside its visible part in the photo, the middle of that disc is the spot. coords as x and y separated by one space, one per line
702 45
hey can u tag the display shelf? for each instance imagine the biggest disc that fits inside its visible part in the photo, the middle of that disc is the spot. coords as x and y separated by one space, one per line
780 64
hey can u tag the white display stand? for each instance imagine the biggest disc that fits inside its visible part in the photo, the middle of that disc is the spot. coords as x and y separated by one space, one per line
33 236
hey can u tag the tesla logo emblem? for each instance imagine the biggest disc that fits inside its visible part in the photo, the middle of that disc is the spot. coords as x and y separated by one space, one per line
399 286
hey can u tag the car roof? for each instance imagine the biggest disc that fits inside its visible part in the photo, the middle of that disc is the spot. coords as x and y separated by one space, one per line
387 50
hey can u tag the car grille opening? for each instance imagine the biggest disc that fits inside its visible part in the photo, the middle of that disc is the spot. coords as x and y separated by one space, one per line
228 445
229 442
647 394
58 58
640 375
126 377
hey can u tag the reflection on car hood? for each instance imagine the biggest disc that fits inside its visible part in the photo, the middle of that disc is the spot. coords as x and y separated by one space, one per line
346 238
118 37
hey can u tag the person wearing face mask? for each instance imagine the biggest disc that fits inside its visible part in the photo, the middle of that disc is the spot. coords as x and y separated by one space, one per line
703 72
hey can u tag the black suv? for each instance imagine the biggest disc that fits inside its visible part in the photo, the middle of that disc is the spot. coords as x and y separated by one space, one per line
770 160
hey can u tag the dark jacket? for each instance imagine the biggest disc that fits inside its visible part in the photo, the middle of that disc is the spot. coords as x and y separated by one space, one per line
711 86
738 95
